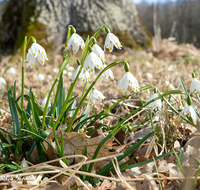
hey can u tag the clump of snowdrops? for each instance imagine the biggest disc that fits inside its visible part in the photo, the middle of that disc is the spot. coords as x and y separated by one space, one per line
37 122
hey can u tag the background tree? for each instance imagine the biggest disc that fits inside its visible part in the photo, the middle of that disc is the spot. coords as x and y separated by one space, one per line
185 13
48 20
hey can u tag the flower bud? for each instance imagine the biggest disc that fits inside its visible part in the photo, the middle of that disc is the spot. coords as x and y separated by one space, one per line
107 29
194 75
126 67
73 29
155 90
94 40
90 49
78 62
189 101
33 39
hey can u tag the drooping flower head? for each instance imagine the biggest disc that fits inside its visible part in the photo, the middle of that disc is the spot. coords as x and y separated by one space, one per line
92 61
99 52
112 40
75 41
40 77
44 101
84 75
189 111
11 71
107 74
2 82
155 104
195 86
97 95
36 51
126 80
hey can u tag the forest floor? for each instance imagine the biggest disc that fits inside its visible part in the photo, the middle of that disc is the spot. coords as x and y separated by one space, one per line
165 64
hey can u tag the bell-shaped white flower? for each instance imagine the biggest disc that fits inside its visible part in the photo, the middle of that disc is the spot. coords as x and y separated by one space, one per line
112 40
195 86
149 75
70 68
128 79
40 77
75 41
155 104
99 52
97 95
84 75
91 61
36 51
11 71
107 74
44 101
2 82
189 111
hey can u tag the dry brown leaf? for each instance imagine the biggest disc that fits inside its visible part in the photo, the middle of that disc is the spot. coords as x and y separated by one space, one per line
175 171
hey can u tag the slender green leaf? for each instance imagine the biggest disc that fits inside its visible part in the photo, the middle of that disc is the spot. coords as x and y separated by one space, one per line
106 168
181 156
144 163
13 110
84 167
73 108
3 152
183 85
36 119
41 151
23 115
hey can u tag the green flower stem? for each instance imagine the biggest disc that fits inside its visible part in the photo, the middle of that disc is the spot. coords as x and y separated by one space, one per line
141 89
69 94
84 89
56 96
22 93
120 126
151 120
90 88
178 162
64 64
174 110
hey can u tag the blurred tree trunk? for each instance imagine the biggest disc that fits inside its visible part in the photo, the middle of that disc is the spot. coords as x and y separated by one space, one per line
47 20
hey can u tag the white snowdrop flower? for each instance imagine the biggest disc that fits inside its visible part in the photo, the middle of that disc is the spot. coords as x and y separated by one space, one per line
112 40
84 75
24 163
2 82
155 104
55 70
64 72
97 95
189 111
75 41
170 68
149 75
195 86
128 79
44 101
70 68
36 51
107 74
49 77
91 61
99 52
114 56
69 74
11 71
40 77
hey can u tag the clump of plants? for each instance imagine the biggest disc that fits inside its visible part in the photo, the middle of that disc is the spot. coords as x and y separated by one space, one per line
40 129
